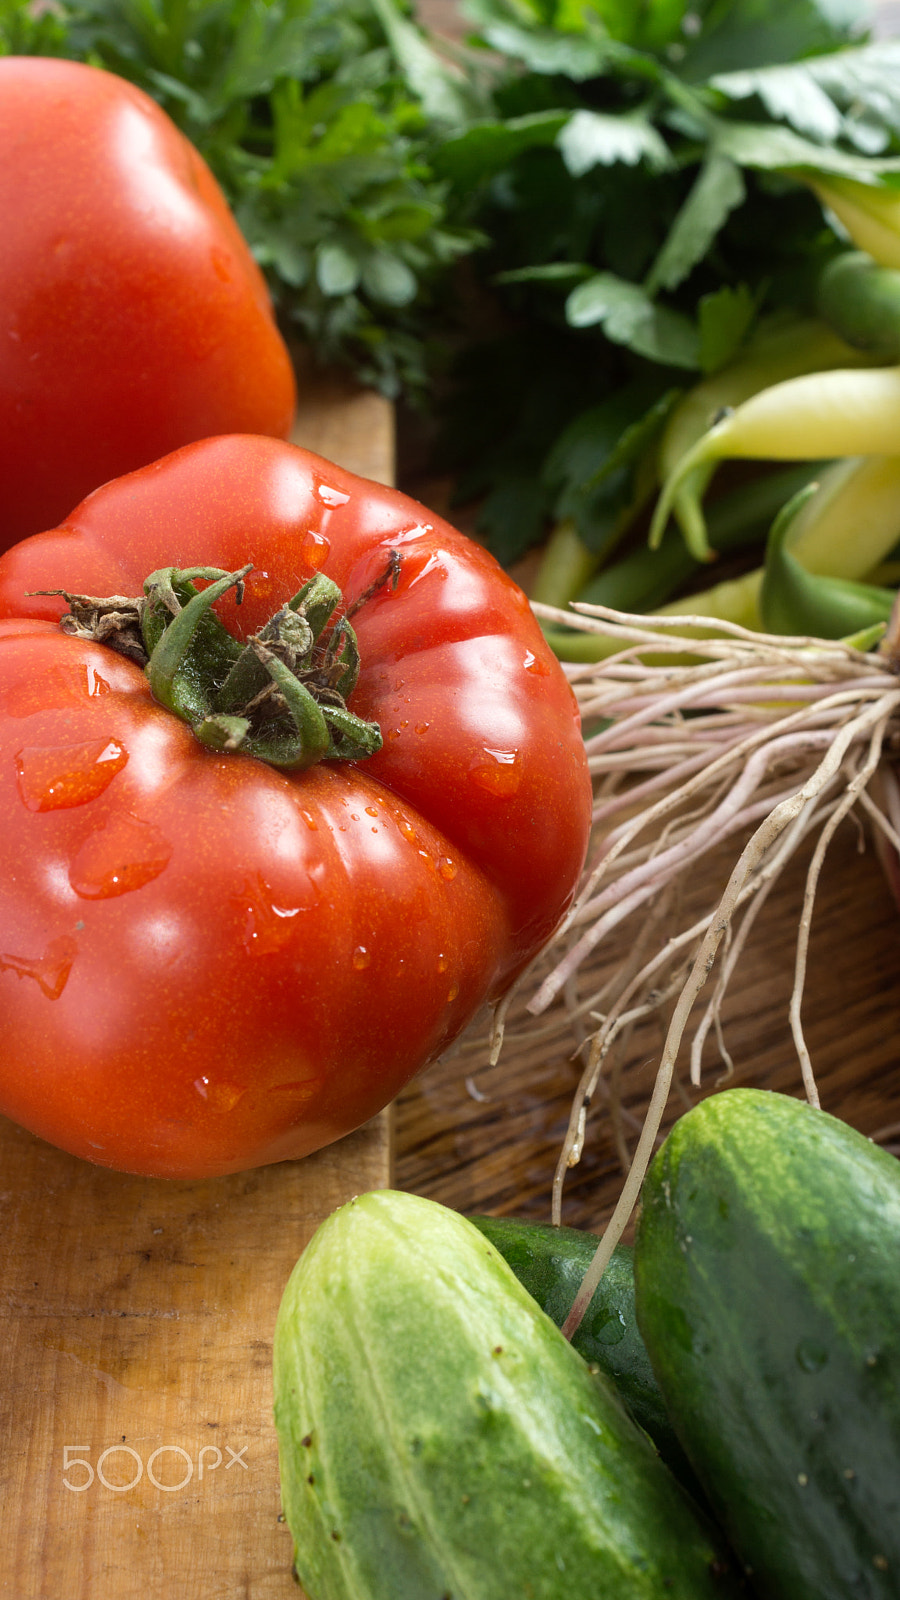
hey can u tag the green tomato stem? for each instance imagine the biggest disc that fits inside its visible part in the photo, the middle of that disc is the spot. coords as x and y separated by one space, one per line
279 696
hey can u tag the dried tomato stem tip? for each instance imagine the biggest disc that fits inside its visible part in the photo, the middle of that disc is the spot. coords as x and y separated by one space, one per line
280 695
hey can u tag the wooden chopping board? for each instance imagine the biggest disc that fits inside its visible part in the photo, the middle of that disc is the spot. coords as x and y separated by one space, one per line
487 1139
137 1449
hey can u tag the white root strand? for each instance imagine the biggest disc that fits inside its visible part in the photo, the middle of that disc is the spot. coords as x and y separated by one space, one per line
701 741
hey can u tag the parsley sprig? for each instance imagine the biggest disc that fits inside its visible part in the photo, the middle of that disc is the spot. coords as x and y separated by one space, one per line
639 186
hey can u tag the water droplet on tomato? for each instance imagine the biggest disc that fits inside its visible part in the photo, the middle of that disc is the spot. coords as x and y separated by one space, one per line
422 727
442 962
330 496
447 868
97 685
121 856
267 926
50 971
314 548
407 830
533 664
221 263
432 564
409 535
310 821
499 775
371 811
361 958
219 1096
57 777
452 993
260 584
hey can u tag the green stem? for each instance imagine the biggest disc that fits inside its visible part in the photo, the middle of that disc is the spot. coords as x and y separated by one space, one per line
280 696
566 566
794 601
644 579
177 634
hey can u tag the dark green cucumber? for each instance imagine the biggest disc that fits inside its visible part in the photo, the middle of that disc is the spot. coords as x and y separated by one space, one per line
551 1263
767 1271
439 1439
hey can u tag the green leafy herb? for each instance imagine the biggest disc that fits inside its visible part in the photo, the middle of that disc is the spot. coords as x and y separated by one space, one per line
724 317
629 316
642 184
718 188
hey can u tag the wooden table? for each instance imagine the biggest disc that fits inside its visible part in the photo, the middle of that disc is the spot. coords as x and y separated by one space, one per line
481 1139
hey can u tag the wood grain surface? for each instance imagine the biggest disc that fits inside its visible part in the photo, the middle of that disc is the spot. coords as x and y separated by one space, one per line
488 1139
137 1449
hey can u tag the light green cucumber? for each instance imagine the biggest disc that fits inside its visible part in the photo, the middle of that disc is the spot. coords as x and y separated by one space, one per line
439 1439
767 1277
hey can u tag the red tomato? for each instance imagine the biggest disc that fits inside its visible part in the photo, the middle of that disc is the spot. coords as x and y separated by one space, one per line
133 318
208 963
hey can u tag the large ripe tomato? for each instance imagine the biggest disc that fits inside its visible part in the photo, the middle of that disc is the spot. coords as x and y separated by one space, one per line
133 318
209 963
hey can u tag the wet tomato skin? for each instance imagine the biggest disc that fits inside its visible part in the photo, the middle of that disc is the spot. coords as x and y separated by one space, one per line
134 318
208 964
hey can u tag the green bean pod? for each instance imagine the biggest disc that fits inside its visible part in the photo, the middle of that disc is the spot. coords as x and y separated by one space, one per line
787 350
566 566
843 531
860 300
795 601
643 579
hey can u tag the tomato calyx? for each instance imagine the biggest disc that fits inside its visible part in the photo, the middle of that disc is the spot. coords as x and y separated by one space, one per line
280 695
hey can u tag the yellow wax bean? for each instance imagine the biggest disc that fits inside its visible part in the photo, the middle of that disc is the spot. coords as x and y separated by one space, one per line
783 352
870 212
845 412
733 600
852 522
787 350
842 531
